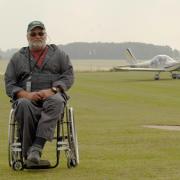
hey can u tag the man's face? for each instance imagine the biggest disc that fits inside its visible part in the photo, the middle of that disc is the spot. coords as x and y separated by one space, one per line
37 38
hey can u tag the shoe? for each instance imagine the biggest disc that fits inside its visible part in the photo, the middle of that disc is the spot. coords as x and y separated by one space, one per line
34 154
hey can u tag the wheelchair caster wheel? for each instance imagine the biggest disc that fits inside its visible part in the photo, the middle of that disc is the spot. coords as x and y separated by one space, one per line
17 165
71 163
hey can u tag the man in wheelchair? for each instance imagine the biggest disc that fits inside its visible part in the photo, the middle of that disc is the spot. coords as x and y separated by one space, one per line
36 79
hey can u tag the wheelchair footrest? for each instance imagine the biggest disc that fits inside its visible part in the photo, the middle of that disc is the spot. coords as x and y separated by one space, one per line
43 164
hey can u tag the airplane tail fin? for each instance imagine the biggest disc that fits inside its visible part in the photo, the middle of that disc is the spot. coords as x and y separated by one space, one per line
131 59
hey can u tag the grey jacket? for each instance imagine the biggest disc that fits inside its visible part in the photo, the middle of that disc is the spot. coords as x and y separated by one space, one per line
56 70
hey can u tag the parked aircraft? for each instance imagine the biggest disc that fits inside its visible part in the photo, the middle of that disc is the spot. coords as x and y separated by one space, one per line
158 64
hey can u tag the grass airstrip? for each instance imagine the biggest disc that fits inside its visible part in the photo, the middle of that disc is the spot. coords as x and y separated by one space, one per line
111 110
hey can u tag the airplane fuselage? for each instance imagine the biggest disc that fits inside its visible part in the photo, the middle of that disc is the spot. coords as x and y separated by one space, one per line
158 64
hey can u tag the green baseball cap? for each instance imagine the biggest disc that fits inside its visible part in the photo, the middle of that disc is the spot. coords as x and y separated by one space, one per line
34 24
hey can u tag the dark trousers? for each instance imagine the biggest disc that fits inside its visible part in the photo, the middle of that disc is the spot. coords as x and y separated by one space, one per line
38 118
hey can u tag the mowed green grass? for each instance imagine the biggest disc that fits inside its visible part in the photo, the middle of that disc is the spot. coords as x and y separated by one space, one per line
110 111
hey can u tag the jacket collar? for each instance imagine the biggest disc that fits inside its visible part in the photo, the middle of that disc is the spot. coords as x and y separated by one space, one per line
51 49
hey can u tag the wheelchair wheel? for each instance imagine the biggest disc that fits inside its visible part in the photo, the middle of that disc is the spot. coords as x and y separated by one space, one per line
73 154
14 146
17 165
71 162
11 132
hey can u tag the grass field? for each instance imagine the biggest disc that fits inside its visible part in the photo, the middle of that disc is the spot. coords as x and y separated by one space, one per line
110 111
82 64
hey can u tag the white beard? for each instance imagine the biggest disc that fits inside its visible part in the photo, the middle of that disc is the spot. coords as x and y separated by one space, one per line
37 45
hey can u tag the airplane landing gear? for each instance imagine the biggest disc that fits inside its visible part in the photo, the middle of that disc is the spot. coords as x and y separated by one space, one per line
157 77
174 76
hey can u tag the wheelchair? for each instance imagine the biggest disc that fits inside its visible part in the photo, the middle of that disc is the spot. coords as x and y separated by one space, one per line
65 136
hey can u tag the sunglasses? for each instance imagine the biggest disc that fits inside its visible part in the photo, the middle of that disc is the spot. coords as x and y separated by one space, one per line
33 34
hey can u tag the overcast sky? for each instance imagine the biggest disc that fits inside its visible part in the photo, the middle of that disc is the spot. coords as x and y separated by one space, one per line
148 21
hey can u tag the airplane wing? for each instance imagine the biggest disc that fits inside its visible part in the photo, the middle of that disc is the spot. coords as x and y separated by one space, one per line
119 68
175 67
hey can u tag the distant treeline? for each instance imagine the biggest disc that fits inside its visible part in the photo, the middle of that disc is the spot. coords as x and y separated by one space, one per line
99 50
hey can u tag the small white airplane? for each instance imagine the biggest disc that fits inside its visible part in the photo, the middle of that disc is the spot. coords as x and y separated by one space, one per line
158 64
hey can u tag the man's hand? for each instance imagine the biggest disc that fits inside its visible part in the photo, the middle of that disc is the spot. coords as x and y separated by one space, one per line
33 96
45 93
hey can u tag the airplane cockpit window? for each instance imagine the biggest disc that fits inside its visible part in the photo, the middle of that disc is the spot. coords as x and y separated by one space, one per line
161 60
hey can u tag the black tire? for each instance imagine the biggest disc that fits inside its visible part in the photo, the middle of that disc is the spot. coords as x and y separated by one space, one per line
71 163
174 76
17 165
